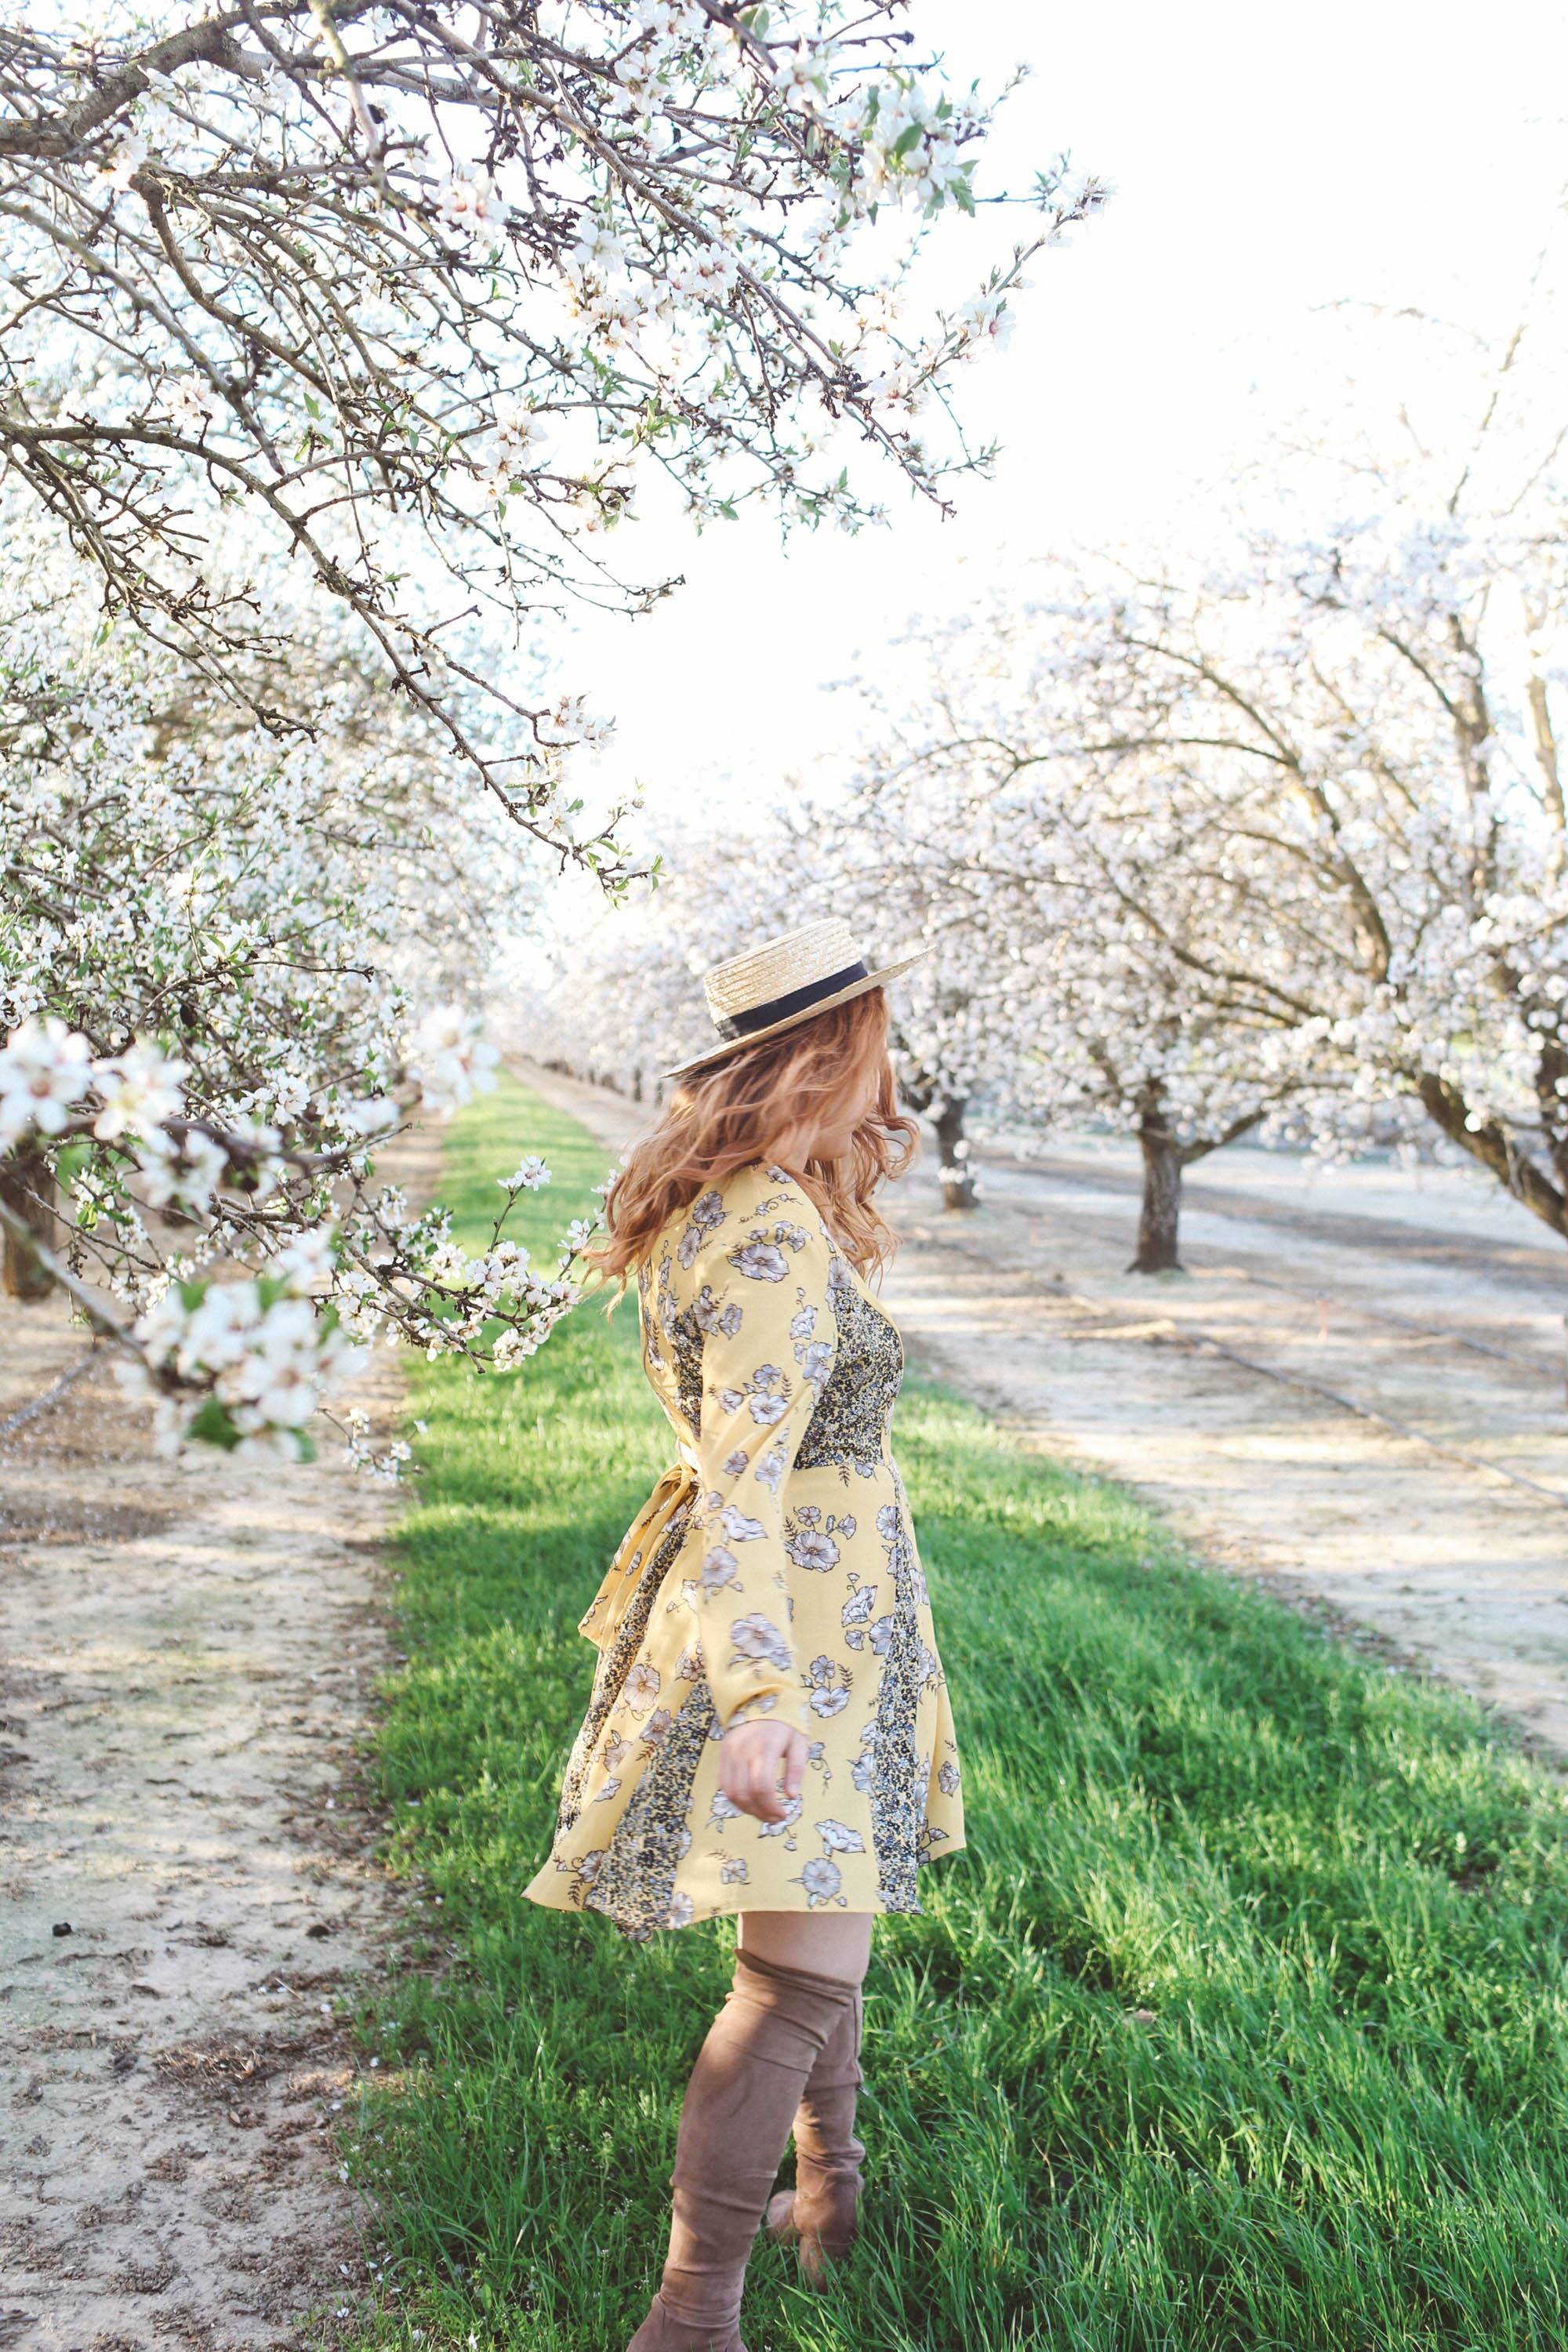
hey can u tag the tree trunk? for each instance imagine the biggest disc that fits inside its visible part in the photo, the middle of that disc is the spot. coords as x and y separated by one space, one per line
1160 1216
27 1188
957 1175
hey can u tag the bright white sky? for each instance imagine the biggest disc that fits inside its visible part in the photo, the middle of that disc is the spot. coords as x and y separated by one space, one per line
1267 162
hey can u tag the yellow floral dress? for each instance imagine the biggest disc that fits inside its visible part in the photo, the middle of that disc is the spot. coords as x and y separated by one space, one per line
772 1572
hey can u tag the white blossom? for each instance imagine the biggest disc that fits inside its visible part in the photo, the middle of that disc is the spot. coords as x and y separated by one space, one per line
45 1071
450 1060
138 1089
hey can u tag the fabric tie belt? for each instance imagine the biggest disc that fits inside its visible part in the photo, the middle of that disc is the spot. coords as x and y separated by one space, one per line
602 1621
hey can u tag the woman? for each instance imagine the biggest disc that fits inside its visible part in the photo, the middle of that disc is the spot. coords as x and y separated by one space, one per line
769 1732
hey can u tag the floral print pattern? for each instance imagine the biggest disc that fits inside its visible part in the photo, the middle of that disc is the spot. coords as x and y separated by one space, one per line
849 1430
752 1584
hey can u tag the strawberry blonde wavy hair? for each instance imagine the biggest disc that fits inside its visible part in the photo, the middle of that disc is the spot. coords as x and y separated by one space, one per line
724 1117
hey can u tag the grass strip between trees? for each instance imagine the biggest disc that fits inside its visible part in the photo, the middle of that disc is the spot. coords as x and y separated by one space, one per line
1242 2021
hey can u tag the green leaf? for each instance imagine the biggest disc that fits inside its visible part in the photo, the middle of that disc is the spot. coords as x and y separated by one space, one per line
214 1426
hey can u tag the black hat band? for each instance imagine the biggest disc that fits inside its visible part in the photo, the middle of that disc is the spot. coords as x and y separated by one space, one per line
730 1026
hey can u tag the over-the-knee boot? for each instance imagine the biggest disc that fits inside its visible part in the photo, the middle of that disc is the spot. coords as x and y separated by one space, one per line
735 2124
820 2215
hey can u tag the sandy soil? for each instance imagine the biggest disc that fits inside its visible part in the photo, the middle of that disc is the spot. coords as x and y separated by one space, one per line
1355 1391
187 1891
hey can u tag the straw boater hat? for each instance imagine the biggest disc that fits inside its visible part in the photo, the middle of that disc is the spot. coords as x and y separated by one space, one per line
785 982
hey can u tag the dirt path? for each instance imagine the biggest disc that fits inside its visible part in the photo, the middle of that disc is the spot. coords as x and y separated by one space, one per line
188 1893
1356 1391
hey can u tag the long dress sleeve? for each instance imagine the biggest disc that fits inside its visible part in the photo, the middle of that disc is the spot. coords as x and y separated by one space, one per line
763 1301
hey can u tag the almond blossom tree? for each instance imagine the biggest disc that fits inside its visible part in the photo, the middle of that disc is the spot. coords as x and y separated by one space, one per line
1365 730
1062 889
937 1039
222 961
428 292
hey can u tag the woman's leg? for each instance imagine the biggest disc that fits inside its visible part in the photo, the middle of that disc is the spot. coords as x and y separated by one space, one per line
750 2079
820 2215
832 1943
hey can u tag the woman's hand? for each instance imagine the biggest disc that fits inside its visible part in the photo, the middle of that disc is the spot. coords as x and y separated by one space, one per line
751 1756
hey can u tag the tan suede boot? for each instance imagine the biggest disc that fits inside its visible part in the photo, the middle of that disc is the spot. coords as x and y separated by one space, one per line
735 2118
820 2215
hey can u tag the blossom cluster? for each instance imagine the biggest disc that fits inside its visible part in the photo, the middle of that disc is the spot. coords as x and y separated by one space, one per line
244 1363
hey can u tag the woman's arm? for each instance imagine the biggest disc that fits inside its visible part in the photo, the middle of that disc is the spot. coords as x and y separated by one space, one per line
760 1299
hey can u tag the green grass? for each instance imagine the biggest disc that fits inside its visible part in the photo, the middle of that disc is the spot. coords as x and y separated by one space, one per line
1343 1899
